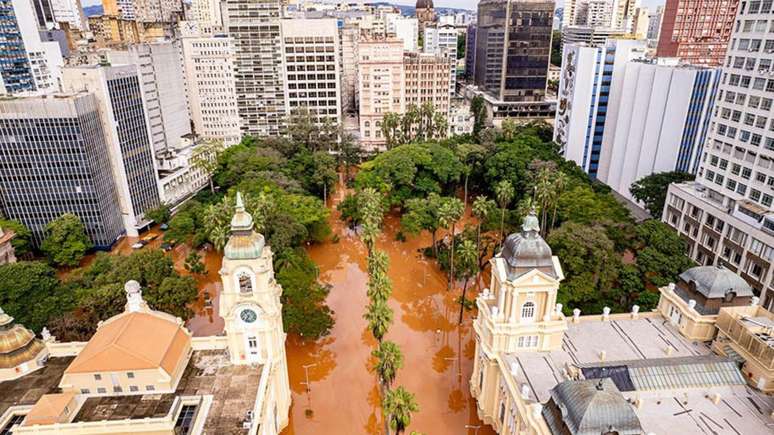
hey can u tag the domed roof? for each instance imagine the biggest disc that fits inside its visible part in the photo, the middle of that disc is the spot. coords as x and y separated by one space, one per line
715 281
424 4
17 343
527 250
244 242
595 406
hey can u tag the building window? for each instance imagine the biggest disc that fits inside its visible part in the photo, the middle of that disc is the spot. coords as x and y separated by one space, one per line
528 311
101 390
97 377
85 391
150 388
528 341
133 388
130 375
117 389
245 284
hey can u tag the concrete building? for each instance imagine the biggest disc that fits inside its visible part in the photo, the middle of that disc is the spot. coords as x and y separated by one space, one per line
441 40
207 15
123 9
470 51
425 13
254 26
507 67
124 121
662 116
143 372
654 26
406 29
597 13
208 62
71 12
311 57
163 87
726 216
381 86
349 35
589 35
461 119
538 371
697 32
641 23
56 161
427 81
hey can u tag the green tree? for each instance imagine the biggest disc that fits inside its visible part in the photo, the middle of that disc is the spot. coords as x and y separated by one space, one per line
504 193
173 295
556 48
449 214
660 252
652 189
461 45
482 210
471 157
478 109
31 293
423 214
66 241
160 214
468 259
205 158
182 227
391 130
371 212
349 154
304 311
389 360
397 406
379 316
21 241
194 264
379 285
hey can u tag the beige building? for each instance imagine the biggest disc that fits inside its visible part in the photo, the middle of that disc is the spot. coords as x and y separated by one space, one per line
539 372
381 86
427 80
143 373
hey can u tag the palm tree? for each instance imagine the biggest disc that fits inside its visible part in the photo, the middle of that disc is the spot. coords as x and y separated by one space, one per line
379 316
468 256
544 191
205 158
378 262
379 287
504 193
450 212
560 183
397 407
482 208
370 204
388 360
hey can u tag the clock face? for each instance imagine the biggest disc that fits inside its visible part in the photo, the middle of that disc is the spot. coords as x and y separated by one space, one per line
248 316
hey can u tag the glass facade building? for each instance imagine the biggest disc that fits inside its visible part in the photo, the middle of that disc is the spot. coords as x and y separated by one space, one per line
15 68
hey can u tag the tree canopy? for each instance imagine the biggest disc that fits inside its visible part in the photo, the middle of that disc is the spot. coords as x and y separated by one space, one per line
66 241
652 189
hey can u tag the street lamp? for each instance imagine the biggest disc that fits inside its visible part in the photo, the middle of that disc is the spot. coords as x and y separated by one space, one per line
306 375
476 428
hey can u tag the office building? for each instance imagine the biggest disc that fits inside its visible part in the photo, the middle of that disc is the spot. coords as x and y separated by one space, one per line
470 51
537 370
44 14
441 40
71 12
381 86
522 48
613 14
207 15
349 35
697 31
123 9
427 80
120 105
163 87
641 23
55 161
311 58
406 29
254 27
589 35
654 26
211 87
726 215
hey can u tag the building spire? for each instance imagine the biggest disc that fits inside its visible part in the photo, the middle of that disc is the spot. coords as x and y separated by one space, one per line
241 221
531 222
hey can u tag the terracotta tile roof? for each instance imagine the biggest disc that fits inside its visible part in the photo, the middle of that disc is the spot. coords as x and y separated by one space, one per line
133 341
49 409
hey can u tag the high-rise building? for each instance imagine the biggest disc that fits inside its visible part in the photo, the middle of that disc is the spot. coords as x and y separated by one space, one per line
71 12
726 216
123 9
425 13
641 23
211 87
311 58
654 25
697 31
589 35
122 113
254 26
381 86
598 13
405 28
470 51
513 46
427 80
612 14
55 161
44 14
163 87
145 11
349 35
207 15
441 40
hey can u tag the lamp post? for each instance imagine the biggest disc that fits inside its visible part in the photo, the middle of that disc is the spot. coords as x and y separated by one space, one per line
306 375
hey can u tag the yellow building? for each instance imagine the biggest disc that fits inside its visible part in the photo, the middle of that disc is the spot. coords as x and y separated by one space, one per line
20 351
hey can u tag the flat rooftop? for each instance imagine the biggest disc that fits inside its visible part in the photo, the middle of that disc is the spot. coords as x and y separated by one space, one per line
637 349
30 387
233 390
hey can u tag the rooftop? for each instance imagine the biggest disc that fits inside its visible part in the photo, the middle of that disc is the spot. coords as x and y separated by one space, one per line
671 375
28 389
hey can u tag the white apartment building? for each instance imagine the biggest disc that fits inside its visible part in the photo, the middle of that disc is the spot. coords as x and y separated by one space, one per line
405 28
45 58
207 15
71 12
441 40
613 14
599 13
461 119
726 216
163 87
311 57
641 23
208 62
179 179
381 86
654 25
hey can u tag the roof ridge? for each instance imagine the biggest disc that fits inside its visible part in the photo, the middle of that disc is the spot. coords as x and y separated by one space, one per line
127 350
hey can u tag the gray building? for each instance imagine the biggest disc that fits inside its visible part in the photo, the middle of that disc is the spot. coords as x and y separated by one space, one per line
254 26
54 160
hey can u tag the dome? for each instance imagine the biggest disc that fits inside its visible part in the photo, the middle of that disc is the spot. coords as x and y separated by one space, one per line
593 407
716 281
17 343
527 250
241 221
244 242
424 4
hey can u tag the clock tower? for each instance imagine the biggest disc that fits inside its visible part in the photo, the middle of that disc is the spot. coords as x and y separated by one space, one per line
250 305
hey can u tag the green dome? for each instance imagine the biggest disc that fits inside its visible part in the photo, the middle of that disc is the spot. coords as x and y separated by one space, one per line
244 242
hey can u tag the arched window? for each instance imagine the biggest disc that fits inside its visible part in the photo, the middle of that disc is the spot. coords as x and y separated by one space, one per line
245 283
528 310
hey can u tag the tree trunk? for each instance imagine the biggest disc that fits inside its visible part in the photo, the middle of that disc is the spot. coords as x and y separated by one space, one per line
462 299
451 260
465 198
435 247
502 226
553 218
212 186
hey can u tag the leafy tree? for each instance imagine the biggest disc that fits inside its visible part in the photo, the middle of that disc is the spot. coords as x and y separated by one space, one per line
379 285
173 295
652 189
349 154
21 242
423 214
389 360
194 264
478 109
449 213
471 156
482 210
66 241
31 293
556 48
371 212
660 252
468 259
461 45
181 227
304 311
205 158
379 316
391 130
160 214
504 193
397 406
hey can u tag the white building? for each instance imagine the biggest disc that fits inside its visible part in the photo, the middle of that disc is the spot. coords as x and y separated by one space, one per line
461 119
381 86
208 62
613 14
726 216
405 28
71 12
207 15
654 25
311 59
45 58
441 40
179 178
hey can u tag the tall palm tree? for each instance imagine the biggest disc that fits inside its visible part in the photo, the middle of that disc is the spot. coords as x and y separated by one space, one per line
544 192
504 193
370 205
378 262
560 183
388 360
397 406
450 212
379 316
379 287
482 208
468 257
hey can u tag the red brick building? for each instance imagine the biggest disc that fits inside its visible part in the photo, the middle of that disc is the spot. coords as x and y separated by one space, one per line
697 31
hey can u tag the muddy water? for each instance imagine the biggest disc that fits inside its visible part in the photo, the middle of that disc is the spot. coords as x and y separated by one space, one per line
342 396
